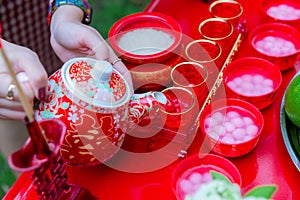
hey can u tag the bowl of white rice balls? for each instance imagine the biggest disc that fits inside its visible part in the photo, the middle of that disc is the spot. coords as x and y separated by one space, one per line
277 42
252 79
283 11
231 127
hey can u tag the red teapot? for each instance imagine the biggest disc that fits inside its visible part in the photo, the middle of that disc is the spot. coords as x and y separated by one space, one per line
95 103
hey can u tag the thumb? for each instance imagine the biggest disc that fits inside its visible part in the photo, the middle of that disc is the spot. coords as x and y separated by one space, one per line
95 42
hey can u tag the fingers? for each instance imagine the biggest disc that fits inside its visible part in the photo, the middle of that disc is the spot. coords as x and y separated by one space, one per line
27 61
120 67
13 108
11 105
15 100
70 40
37 76
98 45
6 113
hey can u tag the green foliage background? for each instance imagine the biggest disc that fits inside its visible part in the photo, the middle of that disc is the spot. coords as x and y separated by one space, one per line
106 13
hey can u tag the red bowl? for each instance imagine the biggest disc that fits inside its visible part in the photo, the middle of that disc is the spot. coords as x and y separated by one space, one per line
203 164
252 79
282 11
275 31
149 70
231 127
140 20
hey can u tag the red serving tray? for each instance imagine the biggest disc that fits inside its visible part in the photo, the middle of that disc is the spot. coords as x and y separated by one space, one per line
268 163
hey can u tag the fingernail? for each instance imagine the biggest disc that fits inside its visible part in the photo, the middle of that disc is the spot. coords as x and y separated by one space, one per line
42 93
26 120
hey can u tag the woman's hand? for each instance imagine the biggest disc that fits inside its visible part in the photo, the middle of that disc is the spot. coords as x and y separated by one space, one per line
33 81
70 39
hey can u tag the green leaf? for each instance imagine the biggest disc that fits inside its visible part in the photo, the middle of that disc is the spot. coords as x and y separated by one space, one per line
218 176
7 177
265 191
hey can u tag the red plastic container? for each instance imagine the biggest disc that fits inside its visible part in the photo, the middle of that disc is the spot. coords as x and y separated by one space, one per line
274 17
224 106
277 30
257 69
203 164
150 71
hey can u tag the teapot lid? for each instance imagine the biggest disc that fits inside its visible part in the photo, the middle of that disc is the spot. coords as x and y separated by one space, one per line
95 82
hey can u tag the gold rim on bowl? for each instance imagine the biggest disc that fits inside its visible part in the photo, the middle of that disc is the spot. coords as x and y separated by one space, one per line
213 43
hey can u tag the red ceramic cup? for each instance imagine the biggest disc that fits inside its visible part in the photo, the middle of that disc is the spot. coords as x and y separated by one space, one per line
229 10
218 30
282 11
150 45
192 76
206 52
202 164
179 110
231 127
252 79
276 42
203 51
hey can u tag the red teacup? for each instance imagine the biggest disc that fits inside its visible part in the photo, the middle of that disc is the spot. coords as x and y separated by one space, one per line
228 10
179 111
218 30
192 76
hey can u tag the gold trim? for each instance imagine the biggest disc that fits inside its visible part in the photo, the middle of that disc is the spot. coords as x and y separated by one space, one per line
189 63
199 41
225 1
215 20
219 79
179 88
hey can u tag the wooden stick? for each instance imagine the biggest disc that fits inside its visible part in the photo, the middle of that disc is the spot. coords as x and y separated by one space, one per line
39 141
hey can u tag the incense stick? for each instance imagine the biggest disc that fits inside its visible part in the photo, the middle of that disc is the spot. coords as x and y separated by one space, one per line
38 139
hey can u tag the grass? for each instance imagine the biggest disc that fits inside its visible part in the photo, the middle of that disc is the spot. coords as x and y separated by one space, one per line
7 178
105 14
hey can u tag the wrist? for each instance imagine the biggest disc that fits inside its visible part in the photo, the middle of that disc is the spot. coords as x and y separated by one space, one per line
72 8
63 14
67 13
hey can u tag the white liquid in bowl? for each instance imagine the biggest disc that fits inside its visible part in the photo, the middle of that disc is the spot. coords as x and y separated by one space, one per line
145 41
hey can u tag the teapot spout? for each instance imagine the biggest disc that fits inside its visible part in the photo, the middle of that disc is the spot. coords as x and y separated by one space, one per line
142 104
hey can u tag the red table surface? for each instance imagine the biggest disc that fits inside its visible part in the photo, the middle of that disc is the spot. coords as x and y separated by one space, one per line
268 163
